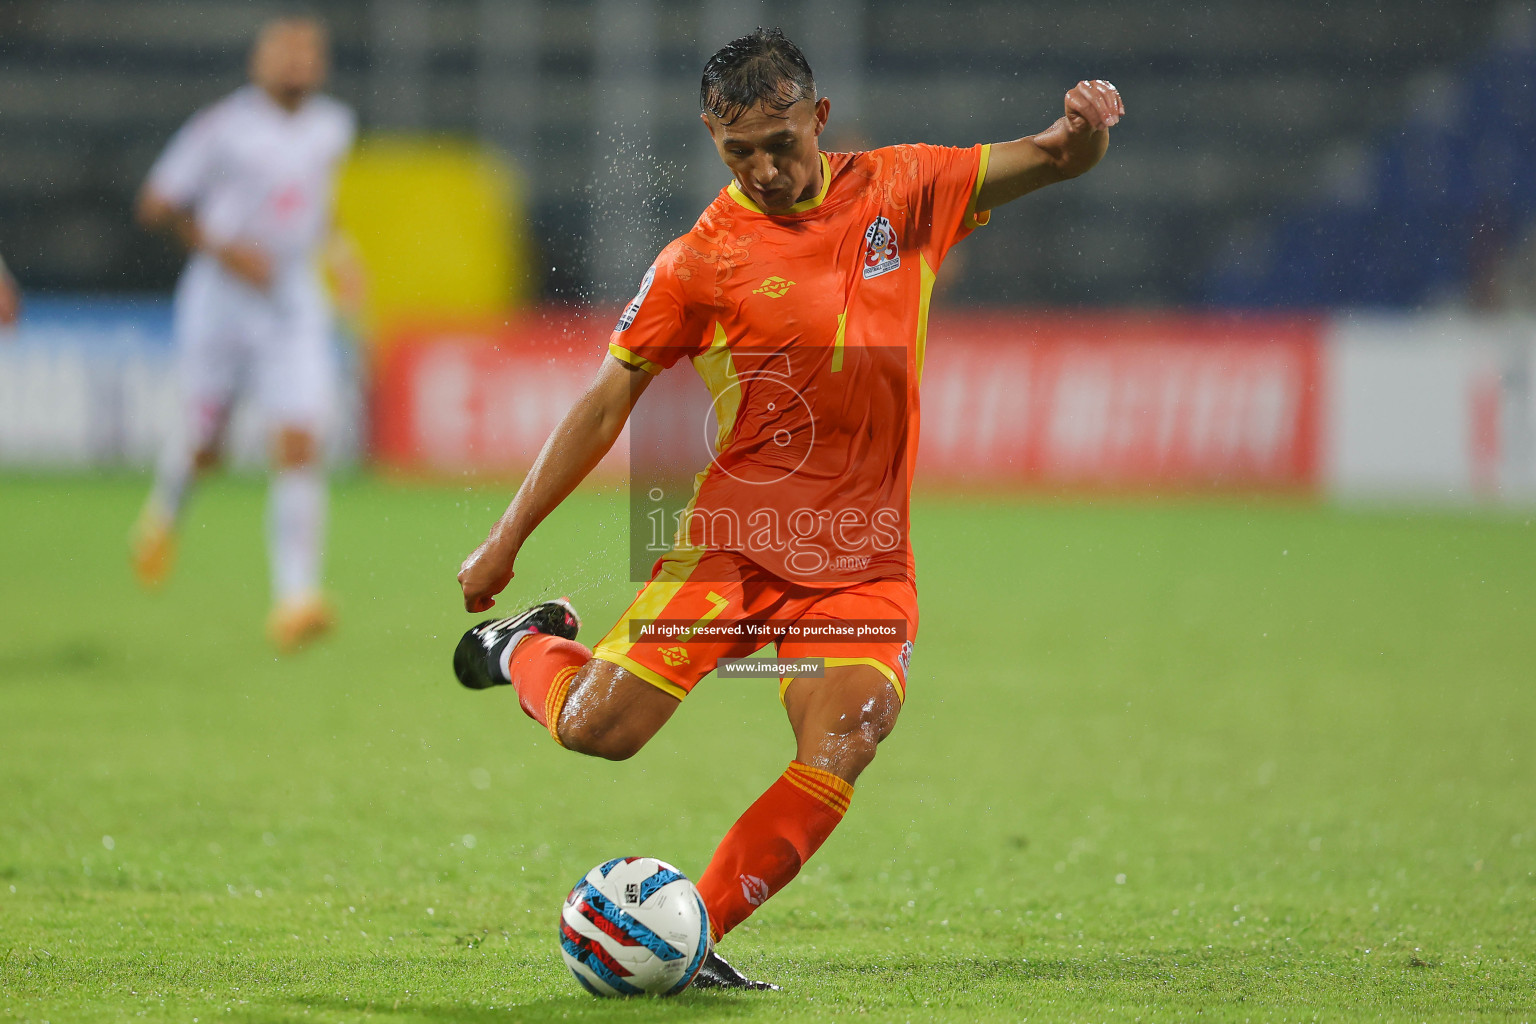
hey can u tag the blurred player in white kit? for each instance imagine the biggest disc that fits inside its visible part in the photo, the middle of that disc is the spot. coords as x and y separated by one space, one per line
247 187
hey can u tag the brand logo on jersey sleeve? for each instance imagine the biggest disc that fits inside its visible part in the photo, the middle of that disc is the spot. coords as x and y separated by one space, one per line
880 254
633 309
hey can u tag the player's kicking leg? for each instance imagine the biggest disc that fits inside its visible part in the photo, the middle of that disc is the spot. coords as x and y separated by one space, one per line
295 537
589 705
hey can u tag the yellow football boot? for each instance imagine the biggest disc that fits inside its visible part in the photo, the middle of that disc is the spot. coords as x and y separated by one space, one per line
152 547
297 621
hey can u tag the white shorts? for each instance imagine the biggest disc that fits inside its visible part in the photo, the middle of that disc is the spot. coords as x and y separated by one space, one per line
274 348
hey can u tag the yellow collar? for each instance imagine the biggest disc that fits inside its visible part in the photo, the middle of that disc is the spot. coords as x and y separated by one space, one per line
805 204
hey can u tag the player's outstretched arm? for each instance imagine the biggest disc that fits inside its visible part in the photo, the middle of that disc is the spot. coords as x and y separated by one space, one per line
1066 149
573 450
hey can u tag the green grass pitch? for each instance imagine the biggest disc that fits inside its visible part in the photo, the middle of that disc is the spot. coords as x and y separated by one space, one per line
1223 761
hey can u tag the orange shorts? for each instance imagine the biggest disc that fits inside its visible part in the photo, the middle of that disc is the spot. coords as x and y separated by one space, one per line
722 605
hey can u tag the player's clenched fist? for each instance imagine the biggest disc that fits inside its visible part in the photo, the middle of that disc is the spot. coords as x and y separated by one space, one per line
484 574
1094 106
1071 146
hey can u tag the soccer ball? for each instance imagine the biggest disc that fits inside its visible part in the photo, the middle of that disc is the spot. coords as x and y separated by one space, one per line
634 926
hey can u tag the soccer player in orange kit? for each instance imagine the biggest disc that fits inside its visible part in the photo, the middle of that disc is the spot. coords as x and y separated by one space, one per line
801 298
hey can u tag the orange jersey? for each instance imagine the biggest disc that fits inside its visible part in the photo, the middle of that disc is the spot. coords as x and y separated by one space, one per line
808 329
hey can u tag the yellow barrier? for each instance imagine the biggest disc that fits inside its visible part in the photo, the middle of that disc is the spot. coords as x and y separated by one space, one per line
440 227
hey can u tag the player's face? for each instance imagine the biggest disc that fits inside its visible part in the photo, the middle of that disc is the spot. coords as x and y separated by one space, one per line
773 154
290 60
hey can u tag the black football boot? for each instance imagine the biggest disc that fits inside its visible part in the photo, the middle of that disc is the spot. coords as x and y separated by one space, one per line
477 659
716 973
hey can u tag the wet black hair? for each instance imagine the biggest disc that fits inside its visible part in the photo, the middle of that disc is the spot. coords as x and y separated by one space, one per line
763 67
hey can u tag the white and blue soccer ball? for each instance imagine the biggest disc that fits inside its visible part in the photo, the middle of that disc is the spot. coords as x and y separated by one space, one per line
634 926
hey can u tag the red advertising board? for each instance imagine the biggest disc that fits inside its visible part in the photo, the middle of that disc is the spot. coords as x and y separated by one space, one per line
480 399
1121 401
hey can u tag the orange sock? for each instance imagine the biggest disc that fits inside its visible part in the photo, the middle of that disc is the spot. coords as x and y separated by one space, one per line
541 668
764 850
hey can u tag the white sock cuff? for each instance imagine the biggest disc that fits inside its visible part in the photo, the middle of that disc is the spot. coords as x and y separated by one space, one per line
297 527
506 652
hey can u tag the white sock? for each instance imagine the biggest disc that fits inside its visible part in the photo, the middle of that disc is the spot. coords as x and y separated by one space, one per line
173 479
505 663
295 531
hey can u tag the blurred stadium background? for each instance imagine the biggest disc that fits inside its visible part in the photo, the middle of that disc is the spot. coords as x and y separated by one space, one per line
1305 266
1239 728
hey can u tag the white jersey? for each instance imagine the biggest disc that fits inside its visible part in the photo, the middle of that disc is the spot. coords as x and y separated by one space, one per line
250 171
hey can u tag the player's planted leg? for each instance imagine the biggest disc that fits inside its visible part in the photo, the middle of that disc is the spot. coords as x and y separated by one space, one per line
296 529
838 723
714 972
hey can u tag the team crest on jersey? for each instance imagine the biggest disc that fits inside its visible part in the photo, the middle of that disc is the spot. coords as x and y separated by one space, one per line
880 255
633 309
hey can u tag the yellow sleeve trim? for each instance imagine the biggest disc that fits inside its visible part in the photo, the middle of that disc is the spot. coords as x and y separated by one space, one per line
926 276
973 219
624 355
